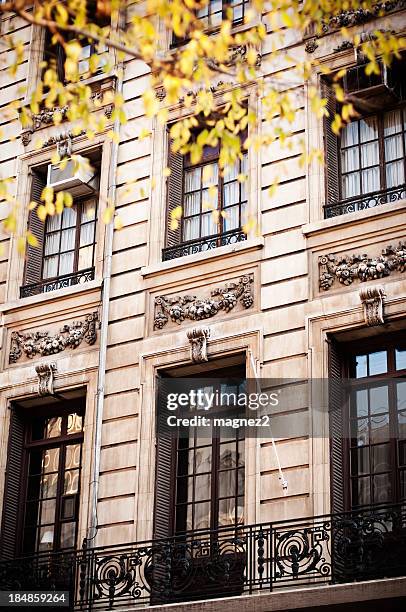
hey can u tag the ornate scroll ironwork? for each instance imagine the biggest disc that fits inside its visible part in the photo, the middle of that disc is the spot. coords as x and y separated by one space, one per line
347 268
203 244
43 343
240 559
178 308
65 280
364 202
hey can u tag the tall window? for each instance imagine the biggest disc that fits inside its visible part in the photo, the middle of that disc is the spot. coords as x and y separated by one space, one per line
213 202
53 458
70 240
372 153
215 10
374 424
201 471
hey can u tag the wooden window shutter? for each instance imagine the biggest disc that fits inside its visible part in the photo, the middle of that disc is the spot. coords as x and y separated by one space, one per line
337 429
12 487
331 147
174 196
33 264
164 476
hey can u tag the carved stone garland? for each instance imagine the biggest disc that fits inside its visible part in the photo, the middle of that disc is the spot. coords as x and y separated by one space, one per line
347 268
372 300
178 308
42 343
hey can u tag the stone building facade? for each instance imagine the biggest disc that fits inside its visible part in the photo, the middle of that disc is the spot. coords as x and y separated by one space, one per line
319 292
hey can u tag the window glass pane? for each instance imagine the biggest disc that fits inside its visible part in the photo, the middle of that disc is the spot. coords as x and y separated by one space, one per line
191 204
368 128
362 490
351 185
379 428
231 193
85 259
75 423
350 159
49 483
395 174
72 456
191 228
53 427
349 134
381 488
401 406
67 240
370 180
400 357
87 234
361 399
231 218
392 122
88 211
369 154
377 363
202 516
380 456
50 267
227 483
360 431
192 179
66 263
202 487
45 538
402 453
378 397
360 461
47 512
393 148
69 217
50 460
53 223
71 482
52 244
210 175
361 362
202 460
68 535
227 511
209 225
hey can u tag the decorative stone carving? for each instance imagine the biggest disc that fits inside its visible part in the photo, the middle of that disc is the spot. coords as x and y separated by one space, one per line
61 140
43 343
343 46
108 110
362 15
311 45
372 300
178 308
198 344
347 268
26 136
45 373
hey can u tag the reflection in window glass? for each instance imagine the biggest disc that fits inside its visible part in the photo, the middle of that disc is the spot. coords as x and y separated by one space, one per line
400 357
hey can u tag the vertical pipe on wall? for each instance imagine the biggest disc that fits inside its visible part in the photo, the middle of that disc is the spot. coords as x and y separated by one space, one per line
107 261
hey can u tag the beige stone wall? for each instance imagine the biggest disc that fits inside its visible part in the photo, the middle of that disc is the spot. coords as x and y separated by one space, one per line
285 328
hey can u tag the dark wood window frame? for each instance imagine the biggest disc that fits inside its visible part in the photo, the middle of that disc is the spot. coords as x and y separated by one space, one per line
381 151
347 445
62 442
78 204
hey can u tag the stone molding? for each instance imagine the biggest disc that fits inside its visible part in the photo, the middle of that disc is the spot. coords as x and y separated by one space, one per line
347 268
198 344
372 299
43 343
177 308
45 373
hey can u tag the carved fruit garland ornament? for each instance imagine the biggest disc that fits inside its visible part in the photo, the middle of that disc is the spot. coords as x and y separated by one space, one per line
42 343
178 308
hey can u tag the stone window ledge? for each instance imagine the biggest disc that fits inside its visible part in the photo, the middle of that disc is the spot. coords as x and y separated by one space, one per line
203 257
358 217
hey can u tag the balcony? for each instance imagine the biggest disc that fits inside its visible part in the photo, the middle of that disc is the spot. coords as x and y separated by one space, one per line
318 551
369 200
206 243
65 280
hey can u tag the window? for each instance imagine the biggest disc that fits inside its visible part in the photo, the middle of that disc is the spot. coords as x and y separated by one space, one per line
214 11
214 204
374 427
365 165
43 476
372 153
201 473
70 240
65 253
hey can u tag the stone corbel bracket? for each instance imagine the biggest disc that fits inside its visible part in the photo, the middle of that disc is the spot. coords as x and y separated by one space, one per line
372 299
198 344
45 373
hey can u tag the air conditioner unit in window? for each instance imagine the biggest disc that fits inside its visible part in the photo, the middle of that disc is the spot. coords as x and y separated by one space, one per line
375 90
77 178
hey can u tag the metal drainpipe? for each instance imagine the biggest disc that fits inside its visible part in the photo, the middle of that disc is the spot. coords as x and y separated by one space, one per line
108 255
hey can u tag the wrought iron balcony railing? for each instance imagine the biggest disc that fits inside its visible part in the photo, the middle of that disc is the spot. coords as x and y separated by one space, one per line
363 545
369 200
65 280
203 244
